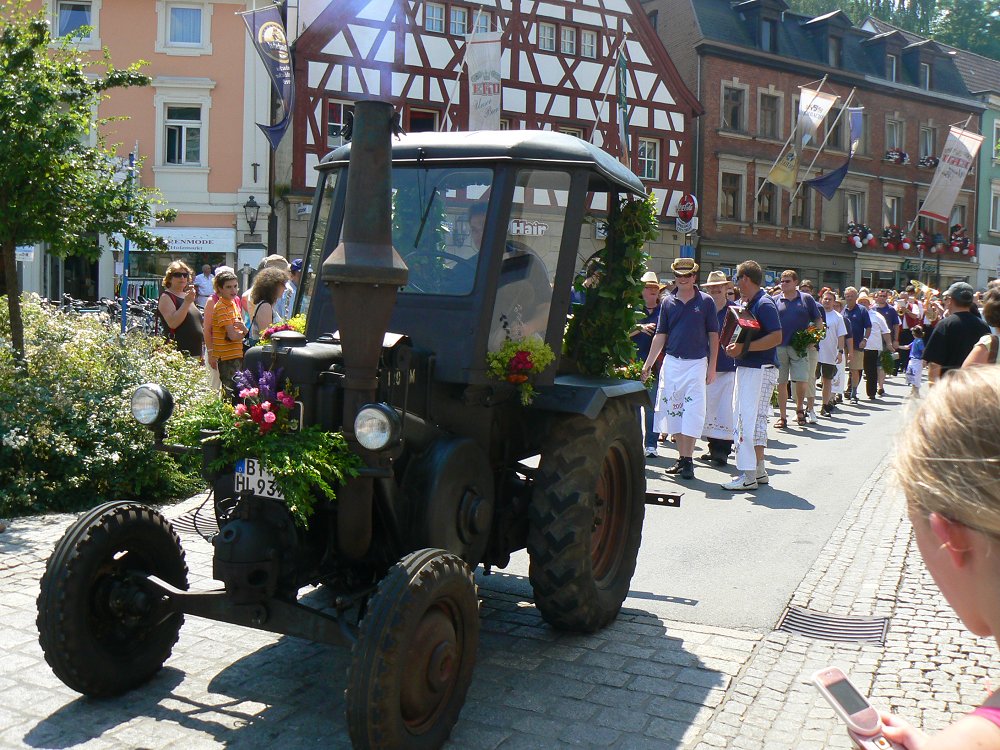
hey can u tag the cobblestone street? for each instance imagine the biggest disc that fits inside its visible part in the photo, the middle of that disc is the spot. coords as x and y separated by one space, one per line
643 682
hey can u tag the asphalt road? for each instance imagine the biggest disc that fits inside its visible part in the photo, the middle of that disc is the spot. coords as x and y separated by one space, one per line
732 560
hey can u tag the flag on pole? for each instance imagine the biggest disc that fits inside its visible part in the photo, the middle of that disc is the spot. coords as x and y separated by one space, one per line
956 160
621 72
827 184
785 171
485 80
267 31
813 109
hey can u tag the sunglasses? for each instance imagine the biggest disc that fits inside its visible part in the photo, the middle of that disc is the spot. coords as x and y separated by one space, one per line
683 275
180 275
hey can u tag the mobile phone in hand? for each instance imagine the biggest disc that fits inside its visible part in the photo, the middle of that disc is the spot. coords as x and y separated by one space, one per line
863 722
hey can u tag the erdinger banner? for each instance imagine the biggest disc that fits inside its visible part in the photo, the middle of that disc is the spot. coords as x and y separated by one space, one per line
956 160
268 34
813 109
483 61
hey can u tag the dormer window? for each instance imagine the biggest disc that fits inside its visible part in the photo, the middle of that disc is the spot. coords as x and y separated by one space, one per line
925 75
892 67
769 35
835 51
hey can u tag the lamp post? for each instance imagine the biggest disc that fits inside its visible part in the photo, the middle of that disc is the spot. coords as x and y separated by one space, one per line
251 209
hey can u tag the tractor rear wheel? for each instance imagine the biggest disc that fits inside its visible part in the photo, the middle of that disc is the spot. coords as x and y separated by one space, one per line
97 624
585 520
412 663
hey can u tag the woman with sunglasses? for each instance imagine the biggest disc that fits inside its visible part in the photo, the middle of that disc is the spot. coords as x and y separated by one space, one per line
178 311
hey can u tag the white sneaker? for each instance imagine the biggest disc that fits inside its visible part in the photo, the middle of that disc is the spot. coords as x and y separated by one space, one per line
650 452
811 417
740 485
762 477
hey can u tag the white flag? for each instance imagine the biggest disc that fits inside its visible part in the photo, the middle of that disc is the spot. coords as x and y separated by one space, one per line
813 108
483 61
956 160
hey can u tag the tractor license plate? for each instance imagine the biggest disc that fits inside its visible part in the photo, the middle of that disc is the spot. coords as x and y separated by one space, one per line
250 475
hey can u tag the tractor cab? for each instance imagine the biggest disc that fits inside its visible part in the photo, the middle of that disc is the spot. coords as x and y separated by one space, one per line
488 225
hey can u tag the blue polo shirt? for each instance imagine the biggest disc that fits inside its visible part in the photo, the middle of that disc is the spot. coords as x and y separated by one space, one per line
859 322
724 363
890 315
766 312
687 325
644 340
796 314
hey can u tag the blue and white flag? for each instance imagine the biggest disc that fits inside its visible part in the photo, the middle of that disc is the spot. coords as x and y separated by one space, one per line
267 31
827 184
621 73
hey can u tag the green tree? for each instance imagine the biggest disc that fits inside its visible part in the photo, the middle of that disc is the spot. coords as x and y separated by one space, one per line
972 25
912 15
54 186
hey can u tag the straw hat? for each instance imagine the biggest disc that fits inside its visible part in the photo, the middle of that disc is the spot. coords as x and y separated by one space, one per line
684 265
715 278
650 279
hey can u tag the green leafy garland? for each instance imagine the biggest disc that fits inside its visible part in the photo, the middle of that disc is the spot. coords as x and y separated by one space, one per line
597 335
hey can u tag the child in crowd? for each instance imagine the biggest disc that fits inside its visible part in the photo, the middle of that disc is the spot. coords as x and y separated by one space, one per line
915 365
947 464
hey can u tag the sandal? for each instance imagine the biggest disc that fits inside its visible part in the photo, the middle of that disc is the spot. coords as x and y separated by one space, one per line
800 416
781 423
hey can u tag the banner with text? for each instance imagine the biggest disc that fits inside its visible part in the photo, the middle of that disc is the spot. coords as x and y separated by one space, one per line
485 80
267 31
956 160
813 109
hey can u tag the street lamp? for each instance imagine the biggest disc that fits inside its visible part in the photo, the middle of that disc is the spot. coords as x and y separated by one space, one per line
251 210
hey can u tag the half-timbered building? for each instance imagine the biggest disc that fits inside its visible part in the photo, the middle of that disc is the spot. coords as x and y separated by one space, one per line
558 66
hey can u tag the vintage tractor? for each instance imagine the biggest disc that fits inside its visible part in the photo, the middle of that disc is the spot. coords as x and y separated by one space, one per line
426 252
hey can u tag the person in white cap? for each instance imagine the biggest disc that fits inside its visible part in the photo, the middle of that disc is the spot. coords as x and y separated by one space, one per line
688 327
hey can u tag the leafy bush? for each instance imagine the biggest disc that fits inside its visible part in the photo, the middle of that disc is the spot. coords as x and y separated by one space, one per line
67 437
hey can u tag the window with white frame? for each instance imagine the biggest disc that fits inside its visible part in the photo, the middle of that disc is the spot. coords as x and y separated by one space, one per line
72 16
769 35
183 28
864 141
767 202
835 51
567 37
891 210
995 212
928 141
336 118
996 141
547 37
459 21
731 196
733 108
892 67
893 133
958 212
482 22
588 44
801 210
769 116
434 17
182 135
570 130
854 208
504 123
925 76
649 158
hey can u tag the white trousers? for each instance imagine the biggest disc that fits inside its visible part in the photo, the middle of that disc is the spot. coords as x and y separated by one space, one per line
752 405
719 407
680 400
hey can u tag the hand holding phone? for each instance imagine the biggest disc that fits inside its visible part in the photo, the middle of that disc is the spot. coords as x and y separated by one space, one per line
863 722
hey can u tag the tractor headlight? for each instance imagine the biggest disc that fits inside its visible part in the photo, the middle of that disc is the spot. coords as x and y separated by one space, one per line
377 426
152 405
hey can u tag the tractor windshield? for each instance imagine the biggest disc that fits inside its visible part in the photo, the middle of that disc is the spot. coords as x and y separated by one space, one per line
435 215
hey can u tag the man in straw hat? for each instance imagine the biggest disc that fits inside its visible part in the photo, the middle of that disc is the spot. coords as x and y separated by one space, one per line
688 327
718 430
642 335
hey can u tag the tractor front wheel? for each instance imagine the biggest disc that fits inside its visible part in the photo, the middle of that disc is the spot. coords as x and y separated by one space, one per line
412 663
585 521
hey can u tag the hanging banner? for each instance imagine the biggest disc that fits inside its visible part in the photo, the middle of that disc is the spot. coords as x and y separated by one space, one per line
785 171
268 34
813 109
621 73
956 160
485 81
827 184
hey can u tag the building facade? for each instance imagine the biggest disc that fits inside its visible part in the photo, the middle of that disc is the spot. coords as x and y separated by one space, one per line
193 128
558 67
746 62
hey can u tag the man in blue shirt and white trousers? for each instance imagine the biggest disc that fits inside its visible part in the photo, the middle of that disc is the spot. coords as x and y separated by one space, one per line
689 327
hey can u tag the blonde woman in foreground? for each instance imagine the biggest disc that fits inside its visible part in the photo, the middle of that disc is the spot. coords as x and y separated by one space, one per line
948 464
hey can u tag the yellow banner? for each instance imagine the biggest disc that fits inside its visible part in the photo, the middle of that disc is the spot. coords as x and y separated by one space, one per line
785 171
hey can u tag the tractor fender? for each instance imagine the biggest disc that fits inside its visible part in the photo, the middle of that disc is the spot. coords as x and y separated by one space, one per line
587 395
